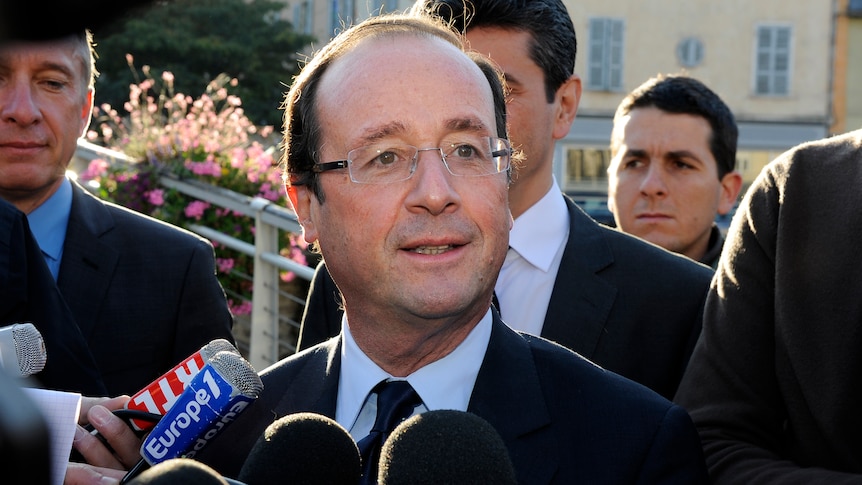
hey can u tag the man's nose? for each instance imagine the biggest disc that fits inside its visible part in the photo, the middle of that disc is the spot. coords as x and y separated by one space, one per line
18 104
653 183
433 188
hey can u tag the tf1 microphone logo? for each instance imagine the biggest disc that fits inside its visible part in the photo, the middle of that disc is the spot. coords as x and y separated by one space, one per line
160 395
199 414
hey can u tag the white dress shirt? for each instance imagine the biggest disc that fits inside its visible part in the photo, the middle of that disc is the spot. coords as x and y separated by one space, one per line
536 245
444 384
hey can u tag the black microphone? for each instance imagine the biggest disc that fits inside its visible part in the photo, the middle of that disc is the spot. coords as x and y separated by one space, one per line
181 471
445 446
22 350
25 439
300 449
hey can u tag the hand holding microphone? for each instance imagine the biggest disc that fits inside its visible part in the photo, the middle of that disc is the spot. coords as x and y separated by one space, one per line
212 400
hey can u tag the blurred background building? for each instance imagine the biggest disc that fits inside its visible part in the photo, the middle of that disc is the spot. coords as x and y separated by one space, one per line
790 71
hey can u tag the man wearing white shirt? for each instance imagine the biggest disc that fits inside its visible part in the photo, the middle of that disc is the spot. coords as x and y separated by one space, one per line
398 167
626 305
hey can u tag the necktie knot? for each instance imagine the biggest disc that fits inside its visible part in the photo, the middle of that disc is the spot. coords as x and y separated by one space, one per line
396 401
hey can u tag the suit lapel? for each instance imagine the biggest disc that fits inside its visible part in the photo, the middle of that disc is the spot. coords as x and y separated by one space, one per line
88 263
508 395
314 387
581 300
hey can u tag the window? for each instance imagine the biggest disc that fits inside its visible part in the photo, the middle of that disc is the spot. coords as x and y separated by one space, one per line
605 63
302 20
690 52
772 60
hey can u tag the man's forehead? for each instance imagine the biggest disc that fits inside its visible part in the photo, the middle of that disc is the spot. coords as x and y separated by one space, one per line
61 51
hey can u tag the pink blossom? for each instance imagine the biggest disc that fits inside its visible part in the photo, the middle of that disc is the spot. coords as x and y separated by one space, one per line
155 197
97 168
243 308
225 265
196 209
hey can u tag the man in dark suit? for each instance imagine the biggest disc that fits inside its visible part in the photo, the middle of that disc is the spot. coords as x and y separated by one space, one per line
773 384
624 304
398 172
142 294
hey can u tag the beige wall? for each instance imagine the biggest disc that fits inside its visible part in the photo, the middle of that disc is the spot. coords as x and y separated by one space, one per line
854 76
727 30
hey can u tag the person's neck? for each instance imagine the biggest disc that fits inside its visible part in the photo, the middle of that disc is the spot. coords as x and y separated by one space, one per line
29 200
401 349
525 193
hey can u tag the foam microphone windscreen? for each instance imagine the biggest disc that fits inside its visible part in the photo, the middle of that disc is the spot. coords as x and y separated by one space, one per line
22 350
445 446
303 448
179 471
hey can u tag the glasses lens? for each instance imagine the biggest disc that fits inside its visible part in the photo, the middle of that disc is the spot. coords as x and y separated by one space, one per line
393 162
381 164
472 157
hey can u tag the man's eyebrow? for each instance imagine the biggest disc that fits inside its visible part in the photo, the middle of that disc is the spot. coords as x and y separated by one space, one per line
677 154
379 132
49 65
470 124
395 128
635 152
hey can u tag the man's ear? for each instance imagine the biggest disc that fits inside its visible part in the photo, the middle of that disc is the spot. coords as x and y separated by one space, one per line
568 97
731 184
87 111
300 198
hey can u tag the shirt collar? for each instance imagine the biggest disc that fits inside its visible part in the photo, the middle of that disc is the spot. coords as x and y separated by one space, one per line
541 229
444 384
48 222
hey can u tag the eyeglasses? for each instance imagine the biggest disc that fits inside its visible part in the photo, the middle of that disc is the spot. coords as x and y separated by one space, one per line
385 163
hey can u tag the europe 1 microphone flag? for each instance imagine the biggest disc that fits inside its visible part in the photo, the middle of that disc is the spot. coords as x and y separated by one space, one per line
160 395
214 398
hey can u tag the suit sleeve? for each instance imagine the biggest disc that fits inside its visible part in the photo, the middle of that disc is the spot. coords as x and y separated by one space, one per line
731 387
674 456
321 319
203 313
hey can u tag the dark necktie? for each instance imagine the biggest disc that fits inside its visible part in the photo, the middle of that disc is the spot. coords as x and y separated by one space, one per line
396 401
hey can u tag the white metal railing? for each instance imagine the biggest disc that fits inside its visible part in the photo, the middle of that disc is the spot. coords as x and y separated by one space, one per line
265 342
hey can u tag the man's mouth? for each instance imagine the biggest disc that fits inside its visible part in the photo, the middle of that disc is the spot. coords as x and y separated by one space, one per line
432 250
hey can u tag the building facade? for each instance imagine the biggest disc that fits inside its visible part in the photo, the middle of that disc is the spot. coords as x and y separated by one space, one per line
786 69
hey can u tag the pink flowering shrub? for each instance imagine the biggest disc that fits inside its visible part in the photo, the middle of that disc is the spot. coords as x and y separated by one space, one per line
207 139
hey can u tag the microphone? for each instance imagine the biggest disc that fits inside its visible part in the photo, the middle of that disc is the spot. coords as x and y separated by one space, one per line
181 471
160 395
22 350
303 449
445 446
220 392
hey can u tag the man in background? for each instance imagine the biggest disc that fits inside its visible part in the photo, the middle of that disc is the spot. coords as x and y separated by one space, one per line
626 305
672 170
143 294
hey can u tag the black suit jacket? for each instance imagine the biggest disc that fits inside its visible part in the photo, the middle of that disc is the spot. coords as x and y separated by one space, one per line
625 304
143 293
28 294
563 419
